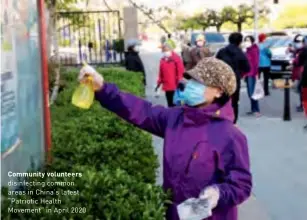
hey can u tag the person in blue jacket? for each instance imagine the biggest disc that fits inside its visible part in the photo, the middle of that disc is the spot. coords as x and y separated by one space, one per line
264 63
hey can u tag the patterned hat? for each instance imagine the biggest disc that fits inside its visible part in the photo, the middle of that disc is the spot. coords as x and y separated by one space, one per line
215 73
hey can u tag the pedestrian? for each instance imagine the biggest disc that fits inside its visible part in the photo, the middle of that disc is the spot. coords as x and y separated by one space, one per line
297 68
252 53
170 72
171 41
233 55
296 76
108 49
198 52
185 53
302 61
114 51
264 63
133 61
205 155
163 39
298 41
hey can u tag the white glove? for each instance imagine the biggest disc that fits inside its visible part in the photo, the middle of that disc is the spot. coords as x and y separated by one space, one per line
90 71
211 193
194 209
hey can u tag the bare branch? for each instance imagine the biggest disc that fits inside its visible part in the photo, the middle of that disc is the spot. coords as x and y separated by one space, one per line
149 15
107 5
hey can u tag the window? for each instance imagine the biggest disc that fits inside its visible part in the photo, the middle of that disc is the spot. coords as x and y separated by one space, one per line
214 38
282 42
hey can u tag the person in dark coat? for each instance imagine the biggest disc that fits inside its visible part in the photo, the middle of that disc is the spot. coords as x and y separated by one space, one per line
133 61
235 57
302 61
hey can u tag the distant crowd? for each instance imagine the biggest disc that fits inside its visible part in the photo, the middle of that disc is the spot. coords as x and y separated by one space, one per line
248 59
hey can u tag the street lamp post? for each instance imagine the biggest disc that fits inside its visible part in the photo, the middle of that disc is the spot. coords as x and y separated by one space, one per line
256 15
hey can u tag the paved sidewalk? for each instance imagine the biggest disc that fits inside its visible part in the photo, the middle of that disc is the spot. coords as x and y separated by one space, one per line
251 209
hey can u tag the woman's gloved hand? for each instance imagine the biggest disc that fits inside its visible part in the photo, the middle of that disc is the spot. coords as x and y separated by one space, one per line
88 71
212 194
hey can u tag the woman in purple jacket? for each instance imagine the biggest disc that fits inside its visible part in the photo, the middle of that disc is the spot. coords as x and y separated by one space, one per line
205 155
252 53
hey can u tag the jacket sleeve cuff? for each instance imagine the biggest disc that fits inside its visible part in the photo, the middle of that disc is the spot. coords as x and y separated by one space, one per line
106 92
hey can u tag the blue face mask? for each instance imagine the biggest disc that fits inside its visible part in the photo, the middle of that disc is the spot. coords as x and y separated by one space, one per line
194 93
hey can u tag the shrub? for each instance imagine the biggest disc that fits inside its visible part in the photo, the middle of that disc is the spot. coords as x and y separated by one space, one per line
117 161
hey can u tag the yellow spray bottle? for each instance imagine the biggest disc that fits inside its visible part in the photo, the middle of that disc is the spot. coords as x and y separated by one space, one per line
83 96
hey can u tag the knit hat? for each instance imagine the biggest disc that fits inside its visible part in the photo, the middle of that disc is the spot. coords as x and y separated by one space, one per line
262 37
200 37
167 44
215 73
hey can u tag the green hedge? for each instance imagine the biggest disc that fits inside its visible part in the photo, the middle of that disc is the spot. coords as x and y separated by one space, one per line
116 159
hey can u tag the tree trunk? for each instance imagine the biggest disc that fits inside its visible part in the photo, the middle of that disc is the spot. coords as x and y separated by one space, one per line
218 28
239 26
54 60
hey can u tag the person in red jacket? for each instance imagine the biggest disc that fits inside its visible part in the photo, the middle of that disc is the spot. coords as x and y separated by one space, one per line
170 72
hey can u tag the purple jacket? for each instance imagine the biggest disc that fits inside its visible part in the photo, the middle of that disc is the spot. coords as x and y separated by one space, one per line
252 54
202 147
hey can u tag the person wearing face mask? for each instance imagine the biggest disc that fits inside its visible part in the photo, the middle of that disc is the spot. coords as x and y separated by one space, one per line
133 61
298 42
205 155
252 54
198 52
170 72
264 63
297 69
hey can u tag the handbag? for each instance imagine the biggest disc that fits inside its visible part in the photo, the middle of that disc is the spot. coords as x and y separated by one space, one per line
258 91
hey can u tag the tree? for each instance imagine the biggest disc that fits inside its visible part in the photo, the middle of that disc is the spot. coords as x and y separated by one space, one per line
189 23
215 18
294 16
202 20
195 22
53 6
244 14
238 16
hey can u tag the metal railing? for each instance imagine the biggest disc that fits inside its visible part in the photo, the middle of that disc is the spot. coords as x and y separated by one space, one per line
91 36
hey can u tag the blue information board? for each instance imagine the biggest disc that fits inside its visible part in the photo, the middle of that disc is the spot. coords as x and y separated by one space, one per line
22 130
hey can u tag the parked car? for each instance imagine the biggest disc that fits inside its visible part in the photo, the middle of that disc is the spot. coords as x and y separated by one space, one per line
214 41
277 34
226 36
270 41
281 60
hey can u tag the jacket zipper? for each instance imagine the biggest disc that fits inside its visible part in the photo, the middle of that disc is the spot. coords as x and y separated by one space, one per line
190 160
192 156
